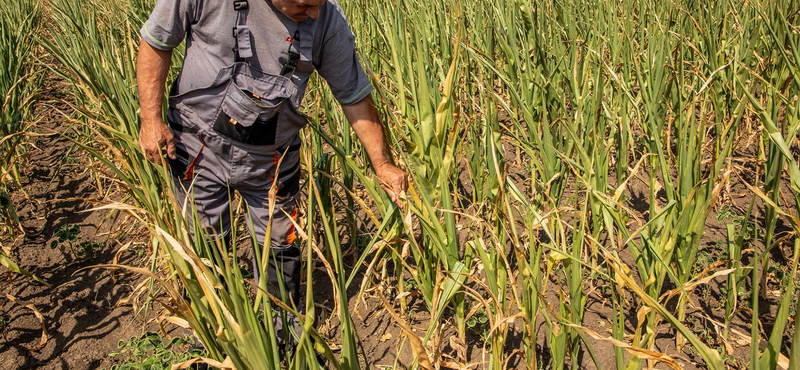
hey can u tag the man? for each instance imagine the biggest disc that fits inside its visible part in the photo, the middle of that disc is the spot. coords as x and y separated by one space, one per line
233 110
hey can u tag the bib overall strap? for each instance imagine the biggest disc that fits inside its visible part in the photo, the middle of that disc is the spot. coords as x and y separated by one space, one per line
290 65
241 34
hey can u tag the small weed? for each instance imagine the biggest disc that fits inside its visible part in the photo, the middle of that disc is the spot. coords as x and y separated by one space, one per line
744 298
704 259
722 301
8 216
68 237
704 292
410 285
781 274
725 212
5 321
150 352
86 249
725 356
744 226
362 241
701 330
748 228
479 323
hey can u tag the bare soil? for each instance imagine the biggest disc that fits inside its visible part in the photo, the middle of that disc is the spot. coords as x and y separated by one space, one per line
83 315
85 312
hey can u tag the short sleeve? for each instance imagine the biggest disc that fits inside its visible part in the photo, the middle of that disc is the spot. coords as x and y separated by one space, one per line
340 66
168 23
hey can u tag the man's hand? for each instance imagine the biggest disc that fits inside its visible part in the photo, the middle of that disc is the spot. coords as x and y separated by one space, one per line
366 122
393 180
156 140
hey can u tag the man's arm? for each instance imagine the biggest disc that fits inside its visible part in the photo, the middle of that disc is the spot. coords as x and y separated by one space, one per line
152 68
366 122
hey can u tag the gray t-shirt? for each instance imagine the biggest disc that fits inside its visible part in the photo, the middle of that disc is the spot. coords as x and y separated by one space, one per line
325 44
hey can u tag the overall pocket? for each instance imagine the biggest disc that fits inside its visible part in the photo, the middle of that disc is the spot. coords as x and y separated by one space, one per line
249 109
189 146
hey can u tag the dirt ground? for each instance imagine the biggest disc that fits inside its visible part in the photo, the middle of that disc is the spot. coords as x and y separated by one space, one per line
85 312
82 312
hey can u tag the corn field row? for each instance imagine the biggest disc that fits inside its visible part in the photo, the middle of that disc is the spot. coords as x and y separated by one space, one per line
565 157
19 80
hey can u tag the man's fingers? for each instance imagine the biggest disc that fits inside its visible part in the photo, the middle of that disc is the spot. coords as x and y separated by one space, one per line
149 152
390 191
153 157
171 148
392 180
156 143
401 184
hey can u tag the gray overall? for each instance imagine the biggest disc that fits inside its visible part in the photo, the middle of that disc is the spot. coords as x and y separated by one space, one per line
235 114
227 139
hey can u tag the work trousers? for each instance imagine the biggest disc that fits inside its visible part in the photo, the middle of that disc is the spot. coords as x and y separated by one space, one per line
209 168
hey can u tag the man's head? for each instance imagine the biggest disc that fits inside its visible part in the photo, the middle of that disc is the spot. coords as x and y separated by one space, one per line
299 10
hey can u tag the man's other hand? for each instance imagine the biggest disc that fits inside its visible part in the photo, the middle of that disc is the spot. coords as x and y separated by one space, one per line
155 137
156 140
366 123
393 180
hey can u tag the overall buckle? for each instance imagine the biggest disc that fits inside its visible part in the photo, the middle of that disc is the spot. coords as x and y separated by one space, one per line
239 4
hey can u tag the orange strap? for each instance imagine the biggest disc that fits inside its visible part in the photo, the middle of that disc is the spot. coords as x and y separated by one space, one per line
292 236
190 170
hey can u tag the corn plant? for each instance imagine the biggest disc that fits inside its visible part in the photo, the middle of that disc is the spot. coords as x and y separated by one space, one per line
426 120
592 96
235 329
20 23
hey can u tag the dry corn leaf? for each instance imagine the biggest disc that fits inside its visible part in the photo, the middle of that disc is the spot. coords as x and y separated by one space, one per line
28 305
227 364
115 260
688 287
458 366
174 320
414 339
783 362
640 353
459 346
